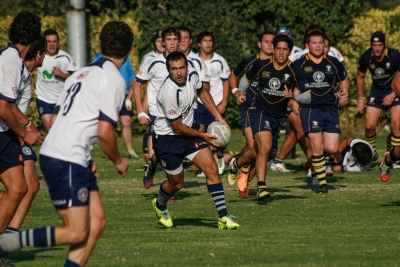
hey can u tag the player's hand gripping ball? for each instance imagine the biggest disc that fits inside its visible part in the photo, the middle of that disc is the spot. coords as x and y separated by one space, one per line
221 131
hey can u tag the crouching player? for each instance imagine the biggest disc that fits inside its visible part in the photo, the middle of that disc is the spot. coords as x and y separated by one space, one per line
176 136
353 155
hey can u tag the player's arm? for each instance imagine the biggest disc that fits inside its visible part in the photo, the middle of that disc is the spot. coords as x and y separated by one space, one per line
396 83
12 122
142 116
183 129
222 107
23 120
233 84
108 143
345 142
208 102
344 93
360 81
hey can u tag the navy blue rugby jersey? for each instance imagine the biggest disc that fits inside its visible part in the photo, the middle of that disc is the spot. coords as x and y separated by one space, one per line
382 70
238 73
322 79
271 81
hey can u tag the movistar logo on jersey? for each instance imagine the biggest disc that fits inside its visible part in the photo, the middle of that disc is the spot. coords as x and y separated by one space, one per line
48 75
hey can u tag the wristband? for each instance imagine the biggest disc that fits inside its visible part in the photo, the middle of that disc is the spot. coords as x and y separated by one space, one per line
143 114
393 93
234 90
360 99
27 124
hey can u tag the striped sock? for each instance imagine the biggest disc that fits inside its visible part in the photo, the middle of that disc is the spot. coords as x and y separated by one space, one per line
372 141
217 193
162 198
318 163
389 142
11 230
69 263
40 237
394 141
391 158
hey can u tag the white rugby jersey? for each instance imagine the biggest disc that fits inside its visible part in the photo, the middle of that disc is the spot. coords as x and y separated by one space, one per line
146 58
219 71
296 49
11 70
200 66
332 52
174 102
24 91
349 164
94 92
49 86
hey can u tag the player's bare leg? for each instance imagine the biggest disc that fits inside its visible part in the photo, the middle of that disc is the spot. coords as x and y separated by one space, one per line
316 144
126 122
262 146
45 118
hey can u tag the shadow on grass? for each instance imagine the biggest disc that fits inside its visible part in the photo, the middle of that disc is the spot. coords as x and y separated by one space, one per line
178 195
30 254
391 204
179 222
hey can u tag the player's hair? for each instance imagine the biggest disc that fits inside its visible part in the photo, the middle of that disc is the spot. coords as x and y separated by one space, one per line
186 29
362 153
170 30
37 48
283 38
175 56
311 28
49 32
24 29
116 39
203 34
315 34
265 33
378 36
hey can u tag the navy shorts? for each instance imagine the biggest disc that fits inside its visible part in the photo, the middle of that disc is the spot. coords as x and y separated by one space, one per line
69 183
151 125
125 112
170 150
261 122
28 153
203 116
10 148
244 116
44 108
319 119
376 97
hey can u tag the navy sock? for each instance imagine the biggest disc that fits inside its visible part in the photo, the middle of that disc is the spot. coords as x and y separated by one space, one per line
162 198
220 153
40 237
217 193
69 263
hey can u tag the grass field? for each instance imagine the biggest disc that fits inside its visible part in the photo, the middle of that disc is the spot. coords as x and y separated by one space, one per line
355 224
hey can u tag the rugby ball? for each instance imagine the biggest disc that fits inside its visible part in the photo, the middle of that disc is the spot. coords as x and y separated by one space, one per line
221 131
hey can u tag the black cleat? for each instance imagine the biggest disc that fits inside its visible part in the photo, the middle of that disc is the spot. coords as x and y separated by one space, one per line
322 189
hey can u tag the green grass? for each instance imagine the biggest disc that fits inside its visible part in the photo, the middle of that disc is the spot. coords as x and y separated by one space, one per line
355 224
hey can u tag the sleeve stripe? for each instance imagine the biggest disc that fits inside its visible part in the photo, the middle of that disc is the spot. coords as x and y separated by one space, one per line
104 117
171 120
8 99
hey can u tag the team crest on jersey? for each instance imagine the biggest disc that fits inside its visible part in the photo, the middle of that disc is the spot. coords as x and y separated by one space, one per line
265 74
212 71
379 72
286 77
308 69
315 124
274 84
83 194
59 64
328 68
82 75
27 151
319 77
387 65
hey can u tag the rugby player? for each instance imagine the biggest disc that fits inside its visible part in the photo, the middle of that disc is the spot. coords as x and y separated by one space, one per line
65 155
320 118
57 66
383 63
177 135
219 87
277 78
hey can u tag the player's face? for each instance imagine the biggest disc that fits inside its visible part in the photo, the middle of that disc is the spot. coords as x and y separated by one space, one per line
326 47
316 46
206 44
177 70
185 42
159 46
171 43
39 60
266 46
377 48
52 45
281 53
